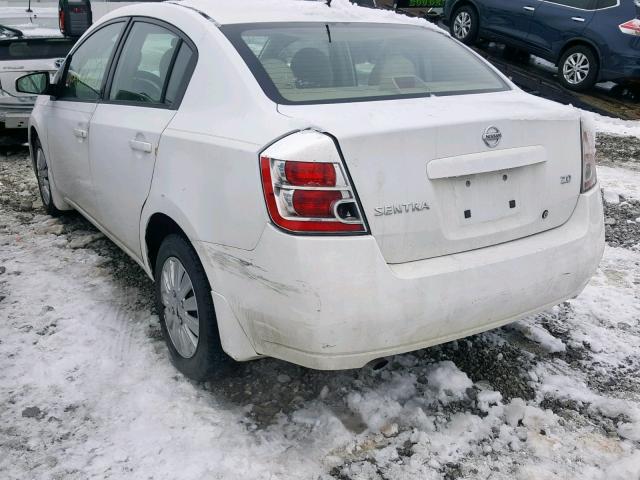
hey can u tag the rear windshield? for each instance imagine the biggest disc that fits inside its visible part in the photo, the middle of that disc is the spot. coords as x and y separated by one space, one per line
35 48
330 63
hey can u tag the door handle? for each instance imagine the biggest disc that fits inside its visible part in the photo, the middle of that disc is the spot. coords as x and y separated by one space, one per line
145 147
577 19
529 9
80 133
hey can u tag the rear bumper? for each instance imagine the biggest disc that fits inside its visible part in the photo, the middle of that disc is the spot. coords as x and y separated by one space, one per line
334 303
15 117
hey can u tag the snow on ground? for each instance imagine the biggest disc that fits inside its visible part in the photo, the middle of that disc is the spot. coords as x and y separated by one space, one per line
86 390
620 181
614 126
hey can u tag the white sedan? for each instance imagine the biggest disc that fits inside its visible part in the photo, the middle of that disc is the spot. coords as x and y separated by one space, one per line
324 185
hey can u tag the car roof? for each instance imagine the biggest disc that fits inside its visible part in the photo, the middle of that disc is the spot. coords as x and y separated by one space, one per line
267 11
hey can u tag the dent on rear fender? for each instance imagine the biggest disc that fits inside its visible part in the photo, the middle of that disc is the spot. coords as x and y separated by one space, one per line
247 275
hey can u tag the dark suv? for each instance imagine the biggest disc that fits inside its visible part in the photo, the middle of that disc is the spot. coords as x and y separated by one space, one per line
590 40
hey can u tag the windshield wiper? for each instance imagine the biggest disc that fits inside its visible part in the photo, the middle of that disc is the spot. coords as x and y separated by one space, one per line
10 32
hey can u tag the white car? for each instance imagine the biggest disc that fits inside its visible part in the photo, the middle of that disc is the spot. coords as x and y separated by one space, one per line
324 185
28 43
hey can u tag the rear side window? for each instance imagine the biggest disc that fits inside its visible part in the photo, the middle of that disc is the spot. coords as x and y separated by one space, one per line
308 63
144 64
181 68
89 63
33 49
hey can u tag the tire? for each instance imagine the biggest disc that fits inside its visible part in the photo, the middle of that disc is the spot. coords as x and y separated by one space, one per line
465 25
197 354
41 169
578 68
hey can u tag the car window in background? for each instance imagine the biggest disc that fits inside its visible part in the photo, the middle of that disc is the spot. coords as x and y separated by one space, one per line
35 48
319 63
89 64
144 64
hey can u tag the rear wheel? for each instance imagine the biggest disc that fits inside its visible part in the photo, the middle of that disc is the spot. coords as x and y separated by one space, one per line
578 68
187 314
465 25
41 167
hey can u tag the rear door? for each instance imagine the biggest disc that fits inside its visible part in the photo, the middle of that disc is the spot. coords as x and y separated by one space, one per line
557 22
146 87
71 112
508 19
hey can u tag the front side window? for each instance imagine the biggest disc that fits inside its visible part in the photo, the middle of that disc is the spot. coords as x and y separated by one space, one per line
89 63
144 64
327 63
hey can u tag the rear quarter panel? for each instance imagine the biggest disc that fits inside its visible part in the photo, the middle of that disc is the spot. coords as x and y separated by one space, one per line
207 175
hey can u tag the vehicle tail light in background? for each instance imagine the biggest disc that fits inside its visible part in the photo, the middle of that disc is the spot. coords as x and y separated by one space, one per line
589 173
632 27
306 187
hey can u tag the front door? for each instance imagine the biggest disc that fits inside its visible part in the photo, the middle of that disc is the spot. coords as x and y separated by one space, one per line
555 23
508 19
127 127
71 113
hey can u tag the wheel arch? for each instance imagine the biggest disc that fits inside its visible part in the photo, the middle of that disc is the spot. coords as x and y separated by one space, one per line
462 3
158 227
574 42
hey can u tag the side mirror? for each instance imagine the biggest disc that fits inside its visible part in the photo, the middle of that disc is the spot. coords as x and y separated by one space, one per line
38 83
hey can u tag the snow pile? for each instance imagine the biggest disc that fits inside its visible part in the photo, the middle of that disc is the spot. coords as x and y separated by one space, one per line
614 126
540 335
620 181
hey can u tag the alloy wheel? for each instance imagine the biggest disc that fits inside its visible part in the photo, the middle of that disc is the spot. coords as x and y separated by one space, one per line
462 25
180 307
576 68
43 177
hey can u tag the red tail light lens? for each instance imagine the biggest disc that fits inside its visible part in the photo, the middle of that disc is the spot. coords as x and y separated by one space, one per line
632 27
315 203
305 194
310 174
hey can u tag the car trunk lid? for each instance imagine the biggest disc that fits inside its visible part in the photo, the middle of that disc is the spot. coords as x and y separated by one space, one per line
431 181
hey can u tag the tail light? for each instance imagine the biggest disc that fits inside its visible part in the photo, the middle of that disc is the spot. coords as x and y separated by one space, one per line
589 173
307 188
632 27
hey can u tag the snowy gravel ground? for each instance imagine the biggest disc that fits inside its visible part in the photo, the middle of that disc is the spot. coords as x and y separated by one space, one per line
87 391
